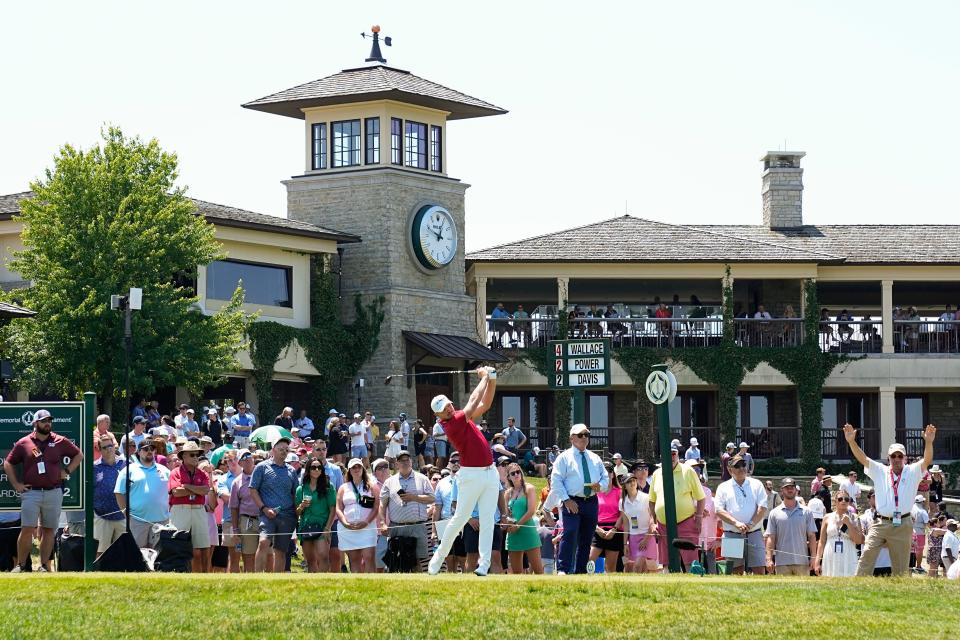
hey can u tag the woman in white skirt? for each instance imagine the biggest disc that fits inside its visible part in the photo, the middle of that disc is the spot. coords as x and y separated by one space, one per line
357 507
394 443
839 534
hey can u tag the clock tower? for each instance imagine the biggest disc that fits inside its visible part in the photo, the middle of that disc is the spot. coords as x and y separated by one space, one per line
375 165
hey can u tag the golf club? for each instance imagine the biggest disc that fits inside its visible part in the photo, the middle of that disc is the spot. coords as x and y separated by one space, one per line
390 378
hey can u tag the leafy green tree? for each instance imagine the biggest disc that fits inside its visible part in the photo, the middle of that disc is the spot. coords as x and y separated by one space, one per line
102 221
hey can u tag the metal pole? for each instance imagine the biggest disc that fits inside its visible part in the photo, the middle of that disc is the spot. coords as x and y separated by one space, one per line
666 476
90 413
579 406
128 348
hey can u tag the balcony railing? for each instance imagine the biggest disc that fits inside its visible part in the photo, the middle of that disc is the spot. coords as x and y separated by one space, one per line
945 447
833 444
851 336
926 336
640 332
756 332
846 336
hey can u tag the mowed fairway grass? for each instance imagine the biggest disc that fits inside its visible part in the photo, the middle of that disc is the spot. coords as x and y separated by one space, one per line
513 608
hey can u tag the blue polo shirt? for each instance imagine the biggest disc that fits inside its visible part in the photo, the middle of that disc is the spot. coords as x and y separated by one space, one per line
105 481
224 486
443 495
149 498
277 484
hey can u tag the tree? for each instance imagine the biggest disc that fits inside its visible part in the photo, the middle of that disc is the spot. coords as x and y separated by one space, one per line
102 221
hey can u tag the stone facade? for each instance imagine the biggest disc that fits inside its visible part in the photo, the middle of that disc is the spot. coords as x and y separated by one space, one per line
378 205
944 409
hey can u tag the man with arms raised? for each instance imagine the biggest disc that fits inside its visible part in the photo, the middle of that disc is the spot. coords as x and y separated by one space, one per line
478 480
895 487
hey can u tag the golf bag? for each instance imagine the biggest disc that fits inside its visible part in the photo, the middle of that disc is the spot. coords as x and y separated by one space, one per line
174 551
401 556
69 552
121 556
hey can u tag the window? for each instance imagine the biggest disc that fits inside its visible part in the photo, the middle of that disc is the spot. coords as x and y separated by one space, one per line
415 145
755 411
319 146
372 126
396 132
346 143
511 408
598 414
262 283
436 148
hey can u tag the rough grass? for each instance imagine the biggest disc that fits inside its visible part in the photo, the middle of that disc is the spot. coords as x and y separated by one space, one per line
329 606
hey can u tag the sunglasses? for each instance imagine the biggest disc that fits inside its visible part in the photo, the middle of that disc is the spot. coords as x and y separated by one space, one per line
104 447
581 435
843 499
516 473
435 479
740 465
315 468
896 455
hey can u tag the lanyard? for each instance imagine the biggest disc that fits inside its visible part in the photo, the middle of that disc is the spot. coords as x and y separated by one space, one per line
896 485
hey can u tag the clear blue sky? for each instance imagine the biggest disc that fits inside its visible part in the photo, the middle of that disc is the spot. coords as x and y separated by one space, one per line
660 108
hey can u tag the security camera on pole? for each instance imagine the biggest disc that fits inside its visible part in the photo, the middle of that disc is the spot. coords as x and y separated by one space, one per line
661 387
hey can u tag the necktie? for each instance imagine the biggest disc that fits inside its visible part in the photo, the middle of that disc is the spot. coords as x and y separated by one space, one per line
587 491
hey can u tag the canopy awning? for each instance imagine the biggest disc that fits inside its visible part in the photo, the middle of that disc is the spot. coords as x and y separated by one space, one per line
457 347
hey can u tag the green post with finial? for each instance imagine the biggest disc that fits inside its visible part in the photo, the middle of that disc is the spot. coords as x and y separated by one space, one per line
661 387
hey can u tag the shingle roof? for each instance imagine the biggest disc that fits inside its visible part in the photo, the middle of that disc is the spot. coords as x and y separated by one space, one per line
630 239
8 310
863 244
373 83
222 215
447 346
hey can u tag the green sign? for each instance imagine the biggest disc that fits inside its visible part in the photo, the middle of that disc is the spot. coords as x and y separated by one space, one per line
579 364
16 421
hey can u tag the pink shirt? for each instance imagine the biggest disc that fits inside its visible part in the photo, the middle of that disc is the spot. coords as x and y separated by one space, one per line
708 529
609 505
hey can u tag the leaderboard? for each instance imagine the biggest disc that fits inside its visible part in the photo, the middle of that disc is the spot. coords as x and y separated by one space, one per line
580 363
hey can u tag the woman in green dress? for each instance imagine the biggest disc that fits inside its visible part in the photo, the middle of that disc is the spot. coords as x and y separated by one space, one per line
521 526
316 507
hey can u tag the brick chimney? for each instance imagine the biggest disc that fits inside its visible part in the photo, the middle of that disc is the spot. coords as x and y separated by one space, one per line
782 189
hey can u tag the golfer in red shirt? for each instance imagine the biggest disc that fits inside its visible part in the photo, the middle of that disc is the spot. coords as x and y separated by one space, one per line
478 480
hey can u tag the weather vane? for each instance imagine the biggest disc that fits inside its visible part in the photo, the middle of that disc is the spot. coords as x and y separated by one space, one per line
375 55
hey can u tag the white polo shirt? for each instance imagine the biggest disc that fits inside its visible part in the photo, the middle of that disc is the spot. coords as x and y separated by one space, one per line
852 488
740 501
883 481
952 542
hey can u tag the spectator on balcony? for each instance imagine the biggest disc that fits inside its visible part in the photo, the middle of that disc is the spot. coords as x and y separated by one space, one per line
948 315
663 312
576 327
616 328
844 331
676 306
595 328
522 328
693 451
697 310
762 313
868 329
911 331
825 327
747 458
499 324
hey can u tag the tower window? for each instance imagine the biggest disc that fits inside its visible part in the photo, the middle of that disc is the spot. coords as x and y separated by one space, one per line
436 148
415 145
319 146
372 126
396 131
346 143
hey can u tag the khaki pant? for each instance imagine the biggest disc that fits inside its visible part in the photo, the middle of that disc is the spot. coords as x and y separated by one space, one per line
793 570
105 532
897 541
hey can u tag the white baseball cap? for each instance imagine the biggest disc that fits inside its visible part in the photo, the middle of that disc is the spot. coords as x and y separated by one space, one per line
744 445
694 442
354 462
577 429
439 403
617 456
896 447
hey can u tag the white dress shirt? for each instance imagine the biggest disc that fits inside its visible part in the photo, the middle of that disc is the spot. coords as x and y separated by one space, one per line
566 479
907 485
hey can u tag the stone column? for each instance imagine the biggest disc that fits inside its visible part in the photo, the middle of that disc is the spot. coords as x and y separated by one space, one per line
481 284
888 418
886 312
563 294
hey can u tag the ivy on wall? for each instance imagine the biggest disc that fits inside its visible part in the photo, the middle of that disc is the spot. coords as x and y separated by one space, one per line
336 350
725 366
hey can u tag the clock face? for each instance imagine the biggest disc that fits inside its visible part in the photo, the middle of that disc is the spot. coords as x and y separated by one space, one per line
434 236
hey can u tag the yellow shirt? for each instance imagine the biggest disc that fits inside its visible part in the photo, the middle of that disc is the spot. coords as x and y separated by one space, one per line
687 488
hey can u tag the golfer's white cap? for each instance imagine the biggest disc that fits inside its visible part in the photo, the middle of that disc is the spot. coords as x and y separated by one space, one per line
896 447
439 403
694 443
